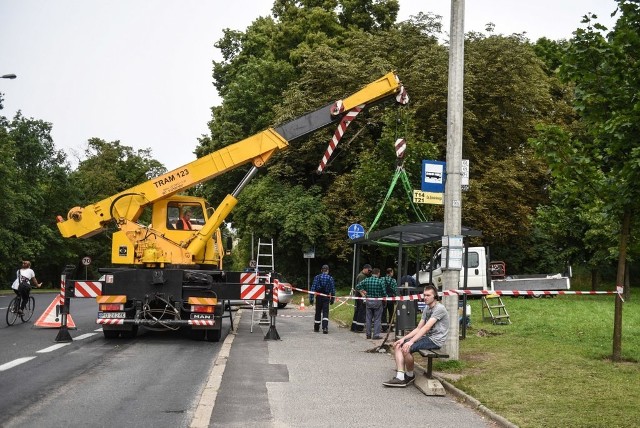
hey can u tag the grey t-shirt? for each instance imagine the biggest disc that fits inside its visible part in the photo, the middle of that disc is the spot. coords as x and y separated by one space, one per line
440 330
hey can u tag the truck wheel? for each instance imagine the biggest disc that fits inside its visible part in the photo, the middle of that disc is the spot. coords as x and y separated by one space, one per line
110 334
213 335
131 333
197 334
281 305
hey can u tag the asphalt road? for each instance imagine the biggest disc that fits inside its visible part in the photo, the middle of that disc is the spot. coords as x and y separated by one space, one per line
155 379
305 379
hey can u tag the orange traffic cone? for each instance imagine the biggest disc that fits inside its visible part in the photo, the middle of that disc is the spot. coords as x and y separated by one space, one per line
302 304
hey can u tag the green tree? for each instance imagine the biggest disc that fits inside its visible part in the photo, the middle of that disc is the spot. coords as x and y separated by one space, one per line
318 53
34 188
606 160
292 215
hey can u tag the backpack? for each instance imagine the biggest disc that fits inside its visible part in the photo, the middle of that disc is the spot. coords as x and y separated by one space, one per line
24 282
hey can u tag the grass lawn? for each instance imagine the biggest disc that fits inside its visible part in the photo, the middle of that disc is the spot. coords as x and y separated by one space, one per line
551 366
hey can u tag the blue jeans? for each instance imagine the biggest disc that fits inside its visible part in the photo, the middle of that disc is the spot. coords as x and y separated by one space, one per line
374 313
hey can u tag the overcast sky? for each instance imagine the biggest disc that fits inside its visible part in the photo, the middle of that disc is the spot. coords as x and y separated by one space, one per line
139 71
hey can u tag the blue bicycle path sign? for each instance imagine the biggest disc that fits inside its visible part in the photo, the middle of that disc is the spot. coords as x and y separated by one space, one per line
355 231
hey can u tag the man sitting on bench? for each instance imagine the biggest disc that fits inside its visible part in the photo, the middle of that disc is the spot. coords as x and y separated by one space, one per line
431 333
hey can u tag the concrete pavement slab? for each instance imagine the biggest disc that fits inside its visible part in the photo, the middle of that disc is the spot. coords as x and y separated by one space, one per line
310 379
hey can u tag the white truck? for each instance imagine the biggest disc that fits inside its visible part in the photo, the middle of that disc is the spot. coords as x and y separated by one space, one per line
483 274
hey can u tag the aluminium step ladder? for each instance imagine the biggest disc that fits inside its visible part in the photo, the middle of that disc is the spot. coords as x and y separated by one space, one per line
265 260
497 312
265 264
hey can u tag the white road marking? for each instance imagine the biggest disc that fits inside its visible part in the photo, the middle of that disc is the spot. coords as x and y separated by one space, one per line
202 415
11 364
84 336
53 348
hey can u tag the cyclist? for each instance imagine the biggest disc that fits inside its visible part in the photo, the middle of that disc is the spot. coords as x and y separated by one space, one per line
22 286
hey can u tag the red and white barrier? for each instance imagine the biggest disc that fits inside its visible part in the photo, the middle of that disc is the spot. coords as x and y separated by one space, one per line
88 289
110 321
202 322
252 291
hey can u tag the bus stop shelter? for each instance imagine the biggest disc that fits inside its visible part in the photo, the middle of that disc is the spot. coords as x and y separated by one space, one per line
407 236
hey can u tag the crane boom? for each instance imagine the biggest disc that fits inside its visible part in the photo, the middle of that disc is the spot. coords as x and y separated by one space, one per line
84 222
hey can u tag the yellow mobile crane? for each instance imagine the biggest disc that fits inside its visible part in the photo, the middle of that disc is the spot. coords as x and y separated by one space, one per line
171 274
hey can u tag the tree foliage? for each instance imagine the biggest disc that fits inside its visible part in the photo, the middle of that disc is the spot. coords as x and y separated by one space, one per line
605 159
323 50
537 204
39 185
594 161
35 185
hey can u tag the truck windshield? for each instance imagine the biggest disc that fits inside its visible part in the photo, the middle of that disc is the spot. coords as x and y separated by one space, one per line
181 215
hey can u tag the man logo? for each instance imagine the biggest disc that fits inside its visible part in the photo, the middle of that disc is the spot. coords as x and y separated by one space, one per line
201 317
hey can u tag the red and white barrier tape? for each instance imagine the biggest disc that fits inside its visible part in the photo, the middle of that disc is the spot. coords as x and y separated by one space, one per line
385 299
523 292
420 296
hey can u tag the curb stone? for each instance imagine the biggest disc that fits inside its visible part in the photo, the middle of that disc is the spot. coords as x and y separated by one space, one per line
474 403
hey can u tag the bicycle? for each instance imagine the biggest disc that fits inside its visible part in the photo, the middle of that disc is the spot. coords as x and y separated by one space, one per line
13 310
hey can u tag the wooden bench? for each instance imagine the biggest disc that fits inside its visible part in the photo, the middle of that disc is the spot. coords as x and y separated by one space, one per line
430 354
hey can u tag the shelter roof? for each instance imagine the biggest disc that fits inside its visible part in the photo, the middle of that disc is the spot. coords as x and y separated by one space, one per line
410 234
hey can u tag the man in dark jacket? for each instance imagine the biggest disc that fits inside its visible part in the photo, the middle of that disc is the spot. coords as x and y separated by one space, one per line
359 315
324 284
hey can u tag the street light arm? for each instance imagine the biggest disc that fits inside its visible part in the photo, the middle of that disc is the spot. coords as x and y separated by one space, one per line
9 76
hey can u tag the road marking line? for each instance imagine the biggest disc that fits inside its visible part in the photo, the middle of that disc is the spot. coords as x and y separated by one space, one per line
52 348
84 336
11 364
202 415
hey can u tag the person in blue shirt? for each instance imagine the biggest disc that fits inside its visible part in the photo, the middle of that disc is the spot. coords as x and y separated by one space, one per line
322 283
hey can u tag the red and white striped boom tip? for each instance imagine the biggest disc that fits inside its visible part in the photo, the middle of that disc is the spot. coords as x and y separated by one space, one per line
342 127
337 108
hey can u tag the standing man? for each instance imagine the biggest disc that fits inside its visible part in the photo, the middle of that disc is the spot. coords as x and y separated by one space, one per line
431 333
391 287
357 325
325 284
373 288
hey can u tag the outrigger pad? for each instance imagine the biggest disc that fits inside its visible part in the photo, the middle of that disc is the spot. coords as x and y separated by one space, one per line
63 335
272 334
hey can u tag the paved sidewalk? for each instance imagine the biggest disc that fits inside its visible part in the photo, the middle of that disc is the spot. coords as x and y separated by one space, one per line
318 380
